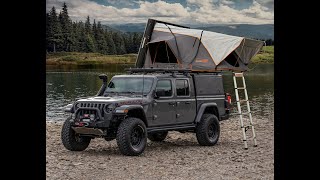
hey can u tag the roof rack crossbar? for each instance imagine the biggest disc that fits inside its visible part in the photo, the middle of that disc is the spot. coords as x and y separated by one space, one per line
152 70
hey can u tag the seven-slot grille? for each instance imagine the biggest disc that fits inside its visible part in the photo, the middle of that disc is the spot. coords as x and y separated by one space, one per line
100 106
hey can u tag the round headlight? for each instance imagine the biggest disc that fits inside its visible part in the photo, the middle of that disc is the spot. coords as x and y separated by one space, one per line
110 108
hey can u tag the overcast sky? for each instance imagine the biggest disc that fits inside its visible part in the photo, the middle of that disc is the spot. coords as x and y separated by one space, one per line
175 11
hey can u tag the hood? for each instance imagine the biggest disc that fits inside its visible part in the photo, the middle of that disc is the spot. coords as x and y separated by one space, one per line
119 100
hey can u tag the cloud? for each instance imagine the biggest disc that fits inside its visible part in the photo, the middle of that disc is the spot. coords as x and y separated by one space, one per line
195 11
267 3
227 2
120 2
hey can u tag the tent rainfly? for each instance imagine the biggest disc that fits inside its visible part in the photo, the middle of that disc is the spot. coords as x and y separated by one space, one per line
166 45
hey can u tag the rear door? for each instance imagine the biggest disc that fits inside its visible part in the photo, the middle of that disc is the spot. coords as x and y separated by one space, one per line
185 103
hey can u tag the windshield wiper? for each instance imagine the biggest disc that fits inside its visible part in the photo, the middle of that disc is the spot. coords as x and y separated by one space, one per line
129 92
109 92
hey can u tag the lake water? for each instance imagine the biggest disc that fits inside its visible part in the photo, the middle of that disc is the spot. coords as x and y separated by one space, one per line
66 83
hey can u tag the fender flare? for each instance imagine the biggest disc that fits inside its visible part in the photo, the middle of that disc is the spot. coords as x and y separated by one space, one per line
127 109
202 108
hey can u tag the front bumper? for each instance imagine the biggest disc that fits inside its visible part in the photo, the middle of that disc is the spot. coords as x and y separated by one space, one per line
82 118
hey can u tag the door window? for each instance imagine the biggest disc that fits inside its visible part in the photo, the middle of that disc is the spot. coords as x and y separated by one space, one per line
182 87
164 87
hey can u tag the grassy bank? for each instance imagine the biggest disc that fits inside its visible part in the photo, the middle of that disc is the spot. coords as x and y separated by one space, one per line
60 58
264 56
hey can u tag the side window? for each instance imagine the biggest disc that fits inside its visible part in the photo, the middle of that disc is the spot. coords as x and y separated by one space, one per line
165 87
182 87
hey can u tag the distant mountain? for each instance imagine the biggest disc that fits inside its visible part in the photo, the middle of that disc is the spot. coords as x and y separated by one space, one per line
130 27
109 28
261 31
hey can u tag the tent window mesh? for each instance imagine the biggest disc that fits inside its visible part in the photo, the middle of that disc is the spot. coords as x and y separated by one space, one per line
160 52
232 59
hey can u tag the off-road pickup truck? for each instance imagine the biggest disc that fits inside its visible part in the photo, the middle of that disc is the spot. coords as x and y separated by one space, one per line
147 103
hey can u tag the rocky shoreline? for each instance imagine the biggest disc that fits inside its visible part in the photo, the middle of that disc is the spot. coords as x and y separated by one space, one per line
178 157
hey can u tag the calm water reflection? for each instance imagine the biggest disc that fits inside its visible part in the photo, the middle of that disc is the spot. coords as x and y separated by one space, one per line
66 83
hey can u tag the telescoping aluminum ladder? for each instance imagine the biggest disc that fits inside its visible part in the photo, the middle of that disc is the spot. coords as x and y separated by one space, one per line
240 113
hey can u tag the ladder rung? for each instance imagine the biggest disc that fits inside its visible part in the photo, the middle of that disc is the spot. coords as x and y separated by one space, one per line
238 74
240 88
248 126
242 101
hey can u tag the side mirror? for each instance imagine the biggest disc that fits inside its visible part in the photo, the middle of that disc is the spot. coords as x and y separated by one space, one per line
154 94
160 93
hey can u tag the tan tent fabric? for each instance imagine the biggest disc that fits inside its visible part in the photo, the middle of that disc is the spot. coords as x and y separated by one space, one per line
210 51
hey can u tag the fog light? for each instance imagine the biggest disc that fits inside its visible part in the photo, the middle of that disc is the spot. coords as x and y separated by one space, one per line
92 116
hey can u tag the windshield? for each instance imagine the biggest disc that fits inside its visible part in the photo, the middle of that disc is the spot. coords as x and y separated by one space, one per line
129 85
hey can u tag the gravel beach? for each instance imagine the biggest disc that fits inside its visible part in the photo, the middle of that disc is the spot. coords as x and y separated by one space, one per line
178 157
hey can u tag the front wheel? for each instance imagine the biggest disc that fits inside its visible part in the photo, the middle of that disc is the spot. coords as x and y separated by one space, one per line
132 136
71 140
208 130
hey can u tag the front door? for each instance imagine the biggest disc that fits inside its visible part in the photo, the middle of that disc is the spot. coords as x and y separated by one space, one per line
164 107
185 105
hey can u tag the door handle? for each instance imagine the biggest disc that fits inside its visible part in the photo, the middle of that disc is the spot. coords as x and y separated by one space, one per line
187 102
172 103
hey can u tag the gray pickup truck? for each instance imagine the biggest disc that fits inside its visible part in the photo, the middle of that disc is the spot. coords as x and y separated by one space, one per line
147 103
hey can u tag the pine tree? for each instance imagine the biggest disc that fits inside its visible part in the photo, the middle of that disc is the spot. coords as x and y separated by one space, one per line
136 39
101 43
81 36
88 26
89 42
66 26
94 28
128 42
74 47
110 43
94 34
119 43
48 26
54 34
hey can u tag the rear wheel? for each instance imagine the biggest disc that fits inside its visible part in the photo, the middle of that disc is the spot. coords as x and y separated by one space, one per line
71 140
208 130
158 136
132 136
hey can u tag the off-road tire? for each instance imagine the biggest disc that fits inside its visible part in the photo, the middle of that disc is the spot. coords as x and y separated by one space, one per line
132 136
71 140
208 130
158 136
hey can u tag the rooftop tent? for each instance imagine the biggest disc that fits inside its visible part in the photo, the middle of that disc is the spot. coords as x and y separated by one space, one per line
166 45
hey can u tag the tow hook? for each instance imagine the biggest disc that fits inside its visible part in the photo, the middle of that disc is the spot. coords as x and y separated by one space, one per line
81 124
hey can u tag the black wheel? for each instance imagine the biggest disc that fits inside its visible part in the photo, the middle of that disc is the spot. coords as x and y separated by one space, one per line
158 136
71 140
208 130
132 136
